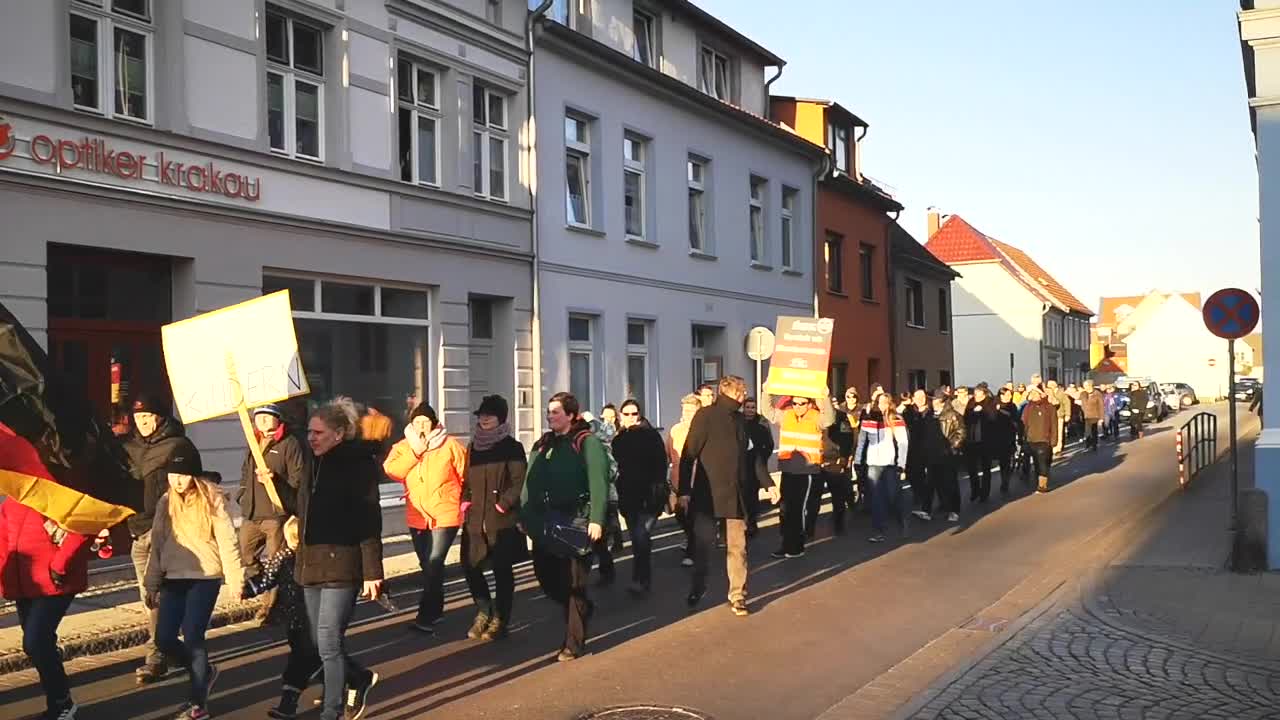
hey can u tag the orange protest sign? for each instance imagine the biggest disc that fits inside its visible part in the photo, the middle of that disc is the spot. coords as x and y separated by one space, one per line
800 357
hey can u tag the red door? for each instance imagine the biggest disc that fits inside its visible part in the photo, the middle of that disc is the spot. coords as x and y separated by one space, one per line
83 351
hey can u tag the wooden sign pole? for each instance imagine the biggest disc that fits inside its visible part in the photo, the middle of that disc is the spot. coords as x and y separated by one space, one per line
246 424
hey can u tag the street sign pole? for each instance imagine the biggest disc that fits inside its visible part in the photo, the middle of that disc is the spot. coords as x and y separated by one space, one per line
1231 428
1010 367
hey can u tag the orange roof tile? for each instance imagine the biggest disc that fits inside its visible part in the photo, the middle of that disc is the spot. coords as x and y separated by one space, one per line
958 242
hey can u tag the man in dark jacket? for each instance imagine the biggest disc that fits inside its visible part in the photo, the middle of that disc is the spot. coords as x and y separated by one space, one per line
837 469
156 438
1137 408
760 448
945 440
641 455
1091 403
1006 428
714 473
978 442
263 525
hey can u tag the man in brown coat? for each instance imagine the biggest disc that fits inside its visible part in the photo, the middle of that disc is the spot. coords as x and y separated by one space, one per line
1092 403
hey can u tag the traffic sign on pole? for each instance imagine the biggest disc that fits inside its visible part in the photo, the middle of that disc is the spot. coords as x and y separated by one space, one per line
1231 313
760 346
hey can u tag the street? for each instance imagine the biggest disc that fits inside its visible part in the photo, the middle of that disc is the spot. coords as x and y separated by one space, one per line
821 628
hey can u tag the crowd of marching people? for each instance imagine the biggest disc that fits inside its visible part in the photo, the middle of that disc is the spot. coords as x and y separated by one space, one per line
309 540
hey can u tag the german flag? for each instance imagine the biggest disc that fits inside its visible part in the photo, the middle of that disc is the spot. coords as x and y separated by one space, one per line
55 456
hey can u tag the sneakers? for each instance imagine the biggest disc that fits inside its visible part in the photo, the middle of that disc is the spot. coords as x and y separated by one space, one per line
566 655
778 554
922 514
288 707
953 517
66 711
479 626
739 608
794 555
877 538
1043 487
687 562
150 673
358 698
496 630
192 712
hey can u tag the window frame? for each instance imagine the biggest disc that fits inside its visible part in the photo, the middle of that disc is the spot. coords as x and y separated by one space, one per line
757 239
636 167
838 135
107 20
944 311
578 151
488 132
418 110
914 302
290 75
834 282
582 347
697 189
643 18
717 60
867 271
641 351
787 228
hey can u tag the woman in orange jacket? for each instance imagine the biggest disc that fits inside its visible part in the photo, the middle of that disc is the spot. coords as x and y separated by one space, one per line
431 464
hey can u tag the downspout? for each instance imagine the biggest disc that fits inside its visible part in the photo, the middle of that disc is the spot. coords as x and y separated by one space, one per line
531 158
889 302
857 155
823 169
1044 310
768 104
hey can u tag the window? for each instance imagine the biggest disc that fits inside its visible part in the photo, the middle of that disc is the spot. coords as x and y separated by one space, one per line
713 74
917 380
489 142
788 227
915 303
866 266
838 379
833 253
481 318
638 361
698 341
111 67
418 93
756 209
944 312
581 359
367 341
697 204
577 167
633 159
295 87
838 146
944 377
645 48
570 13
493 11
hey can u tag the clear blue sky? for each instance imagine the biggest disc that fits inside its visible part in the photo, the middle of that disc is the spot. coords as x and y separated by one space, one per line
1108 139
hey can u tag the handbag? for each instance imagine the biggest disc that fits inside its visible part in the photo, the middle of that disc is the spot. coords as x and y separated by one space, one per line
565 533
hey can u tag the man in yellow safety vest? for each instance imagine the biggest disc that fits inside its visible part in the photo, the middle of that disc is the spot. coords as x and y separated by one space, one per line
801 423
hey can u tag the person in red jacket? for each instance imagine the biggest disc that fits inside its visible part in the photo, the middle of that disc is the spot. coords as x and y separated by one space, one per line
44 567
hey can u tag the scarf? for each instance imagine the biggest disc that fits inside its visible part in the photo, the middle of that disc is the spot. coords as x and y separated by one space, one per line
483 440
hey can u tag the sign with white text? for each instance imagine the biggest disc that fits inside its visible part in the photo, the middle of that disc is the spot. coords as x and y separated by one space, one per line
801 356
243 355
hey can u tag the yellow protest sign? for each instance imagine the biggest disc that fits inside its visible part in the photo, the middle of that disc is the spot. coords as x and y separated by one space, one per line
243 355
801 354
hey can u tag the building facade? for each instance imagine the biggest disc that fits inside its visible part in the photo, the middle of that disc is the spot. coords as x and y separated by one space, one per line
163 159
671 216
1011 317
1198 357
923 347
851 245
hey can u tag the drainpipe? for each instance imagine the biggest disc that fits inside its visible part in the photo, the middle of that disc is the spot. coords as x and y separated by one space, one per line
768 104
889 301
857 154
823 169
531 155
1044 310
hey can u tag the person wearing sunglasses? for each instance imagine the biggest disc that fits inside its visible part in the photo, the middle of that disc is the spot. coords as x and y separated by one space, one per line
802 424
641 455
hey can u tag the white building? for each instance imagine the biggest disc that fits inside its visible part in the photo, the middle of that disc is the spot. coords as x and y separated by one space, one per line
1171 344
1260 44
160 159
671 216
1010 317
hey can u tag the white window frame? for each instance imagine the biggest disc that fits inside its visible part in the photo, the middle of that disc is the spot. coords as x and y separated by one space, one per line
487 133
759 190
579 152
583 348
419 110
838 146
639 351
635 166
698 354
290 76
108 20
787 228
914 303
698 190
712 59
639 18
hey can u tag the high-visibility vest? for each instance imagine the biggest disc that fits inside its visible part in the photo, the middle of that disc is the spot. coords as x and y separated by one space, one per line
801 435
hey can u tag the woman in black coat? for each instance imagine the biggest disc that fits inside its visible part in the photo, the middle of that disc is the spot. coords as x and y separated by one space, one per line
1006 427
491 501
641 455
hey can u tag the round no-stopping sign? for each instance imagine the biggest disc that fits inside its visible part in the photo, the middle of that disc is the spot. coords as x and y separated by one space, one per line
1231 313
760 343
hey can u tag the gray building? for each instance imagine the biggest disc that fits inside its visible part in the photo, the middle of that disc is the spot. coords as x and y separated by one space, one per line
161 159
672 217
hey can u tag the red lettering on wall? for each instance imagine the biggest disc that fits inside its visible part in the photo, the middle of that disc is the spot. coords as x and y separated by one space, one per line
42 141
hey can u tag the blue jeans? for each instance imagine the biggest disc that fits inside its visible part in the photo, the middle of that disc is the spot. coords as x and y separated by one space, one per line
329 610
431 547
640 525
883 480
40 618
187 605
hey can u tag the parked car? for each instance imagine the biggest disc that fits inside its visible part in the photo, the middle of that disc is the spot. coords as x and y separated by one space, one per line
1157 408
1179 395
1246 388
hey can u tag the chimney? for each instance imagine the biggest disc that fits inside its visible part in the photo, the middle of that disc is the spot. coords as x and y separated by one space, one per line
933 223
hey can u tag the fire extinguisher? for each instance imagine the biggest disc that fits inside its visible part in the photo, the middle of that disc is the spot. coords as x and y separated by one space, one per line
115 382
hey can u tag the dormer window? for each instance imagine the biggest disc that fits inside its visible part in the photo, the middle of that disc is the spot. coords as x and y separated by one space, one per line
838 146
713 74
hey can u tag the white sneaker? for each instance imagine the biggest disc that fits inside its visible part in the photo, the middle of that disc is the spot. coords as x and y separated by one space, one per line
953 517
922 514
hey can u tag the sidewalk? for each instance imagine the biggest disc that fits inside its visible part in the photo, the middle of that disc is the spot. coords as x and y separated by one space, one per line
1159 629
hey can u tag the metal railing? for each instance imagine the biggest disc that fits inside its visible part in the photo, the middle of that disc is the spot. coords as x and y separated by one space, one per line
1196 445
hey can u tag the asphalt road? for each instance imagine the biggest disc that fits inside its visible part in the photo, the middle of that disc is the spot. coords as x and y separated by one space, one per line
821 626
